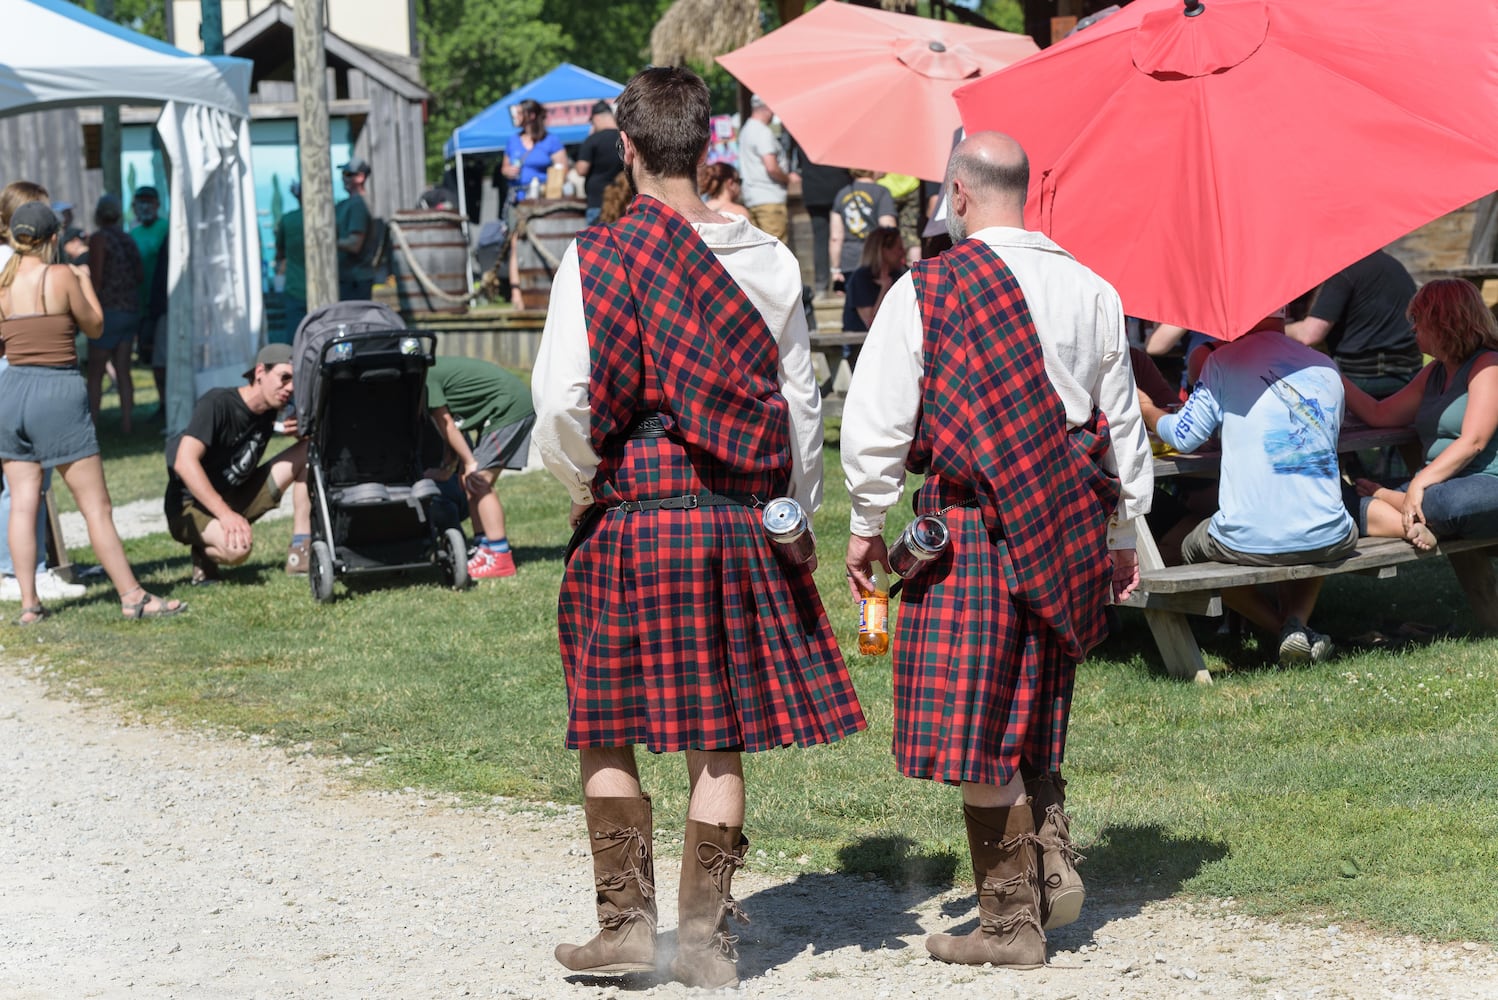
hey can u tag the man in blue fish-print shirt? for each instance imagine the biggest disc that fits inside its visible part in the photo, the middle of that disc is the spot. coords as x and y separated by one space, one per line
1277 406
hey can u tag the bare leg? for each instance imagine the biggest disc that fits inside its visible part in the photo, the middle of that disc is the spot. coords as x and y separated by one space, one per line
124 385
1298 598
1251 604
609 772
488 512
85 478
717 783
25 480
289 469
1011 793
98 358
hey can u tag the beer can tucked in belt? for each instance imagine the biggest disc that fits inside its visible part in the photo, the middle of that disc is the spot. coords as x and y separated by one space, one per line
923 540
786 525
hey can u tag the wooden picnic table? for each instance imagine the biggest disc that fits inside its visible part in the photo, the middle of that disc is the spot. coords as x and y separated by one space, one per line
1168 594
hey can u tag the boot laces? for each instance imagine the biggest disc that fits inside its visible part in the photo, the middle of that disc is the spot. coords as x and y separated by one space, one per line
617 918
637 847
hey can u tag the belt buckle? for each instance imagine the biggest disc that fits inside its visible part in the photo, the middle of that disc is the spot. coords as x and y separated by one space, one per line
689 502
686 502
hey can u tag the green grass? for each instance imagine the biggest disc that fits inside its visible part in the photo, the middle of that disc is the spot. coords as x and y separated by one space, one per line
1365 789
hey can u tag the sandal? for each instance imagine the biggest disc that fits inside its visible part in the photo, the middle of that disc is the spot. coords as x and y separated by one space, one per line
165 608
32 615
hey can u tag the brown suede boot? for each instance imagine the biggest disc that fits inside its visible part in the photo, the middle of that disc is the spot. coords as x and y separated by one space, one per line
624 875
1061 890
705 952
1002 842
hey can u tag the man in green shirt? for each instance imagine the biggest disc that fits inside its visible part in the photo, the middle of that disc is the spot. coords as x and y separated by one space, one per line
485 417
355 275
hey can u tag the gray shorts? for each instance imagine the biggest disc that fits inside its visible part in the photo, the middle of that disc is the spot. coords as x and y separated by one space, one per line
506 447
44 416
1201 546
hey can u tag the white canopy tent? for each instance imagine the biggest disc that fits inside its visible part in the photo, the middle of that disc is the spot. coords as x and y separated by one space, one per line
55 54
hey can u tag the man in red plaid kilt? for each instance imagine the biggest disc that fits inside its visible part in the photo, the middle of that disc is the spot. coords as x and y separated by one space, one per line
674 396
1000 370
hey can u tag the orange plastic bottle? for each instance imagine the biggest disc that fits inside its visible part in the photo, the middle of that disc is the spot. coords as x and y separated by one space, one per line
873 615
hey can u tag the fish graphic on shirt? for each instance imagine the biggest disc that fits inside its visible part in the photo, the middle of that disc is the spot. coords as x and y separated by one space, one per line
1309 447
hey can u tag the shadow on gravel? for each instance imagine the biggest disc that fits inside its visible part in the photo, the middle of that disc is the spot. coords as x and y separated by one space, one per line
1125 868
813 911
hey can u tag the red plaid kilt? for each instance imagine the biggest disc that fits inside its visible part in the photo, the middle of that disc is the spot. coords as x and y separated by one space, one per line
980 683
683 629
987 640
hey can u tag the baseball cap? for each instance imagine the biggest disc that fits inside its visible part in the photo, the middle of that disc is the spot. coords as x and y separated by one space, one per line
270 355
358 165
601 108
296 189
34 220
147 191
755 101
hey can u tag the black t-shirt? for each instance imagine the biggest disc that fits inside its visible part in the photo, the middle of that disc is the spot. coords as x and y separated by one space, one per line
1365 305
601 149
234 439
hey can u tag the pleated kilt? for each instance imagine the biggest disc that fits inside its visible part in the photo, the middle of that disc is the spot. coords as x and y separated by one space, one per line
979 682
683 629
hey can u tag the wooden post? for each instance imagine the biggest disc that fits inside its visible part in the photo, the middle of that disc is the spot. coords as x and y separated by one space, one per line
109 141
318 226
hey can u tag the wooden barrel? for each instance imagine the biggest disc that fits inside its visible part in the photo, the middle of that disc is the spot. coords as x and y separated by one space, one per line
543 228
436 246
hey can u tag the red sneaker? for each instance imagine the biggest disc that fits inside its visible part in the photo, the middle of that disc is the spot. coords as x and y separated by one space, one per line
489 565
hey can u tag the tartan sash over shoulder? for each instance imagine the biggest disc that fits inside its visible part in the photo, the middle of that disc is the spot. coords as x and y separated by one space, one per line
992 426
669 330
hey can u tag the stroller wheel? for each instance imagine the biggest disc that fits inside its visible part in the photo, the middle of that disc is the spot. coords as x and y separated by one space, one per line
454 561
320 572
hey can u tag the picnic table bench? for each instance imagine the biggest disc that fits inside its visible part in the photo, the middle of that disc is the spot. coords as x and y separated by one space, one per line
1168 594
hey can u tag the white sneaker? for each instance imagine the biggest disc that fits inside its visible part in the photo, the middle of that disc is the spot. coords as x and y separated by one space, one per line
51 587
10 589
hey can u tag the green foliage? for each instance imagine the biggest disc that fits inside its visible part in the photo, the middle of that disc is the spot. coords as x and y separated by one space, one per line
146 16
1007 15
607 37
476 51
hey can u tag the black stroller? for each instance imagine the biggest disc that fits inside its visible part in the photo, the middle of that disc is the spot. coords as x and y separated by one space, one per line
361 400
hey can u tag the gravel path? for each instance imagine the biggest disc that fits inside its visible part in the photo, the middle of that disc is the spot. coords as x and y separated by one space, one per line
150 861
156 861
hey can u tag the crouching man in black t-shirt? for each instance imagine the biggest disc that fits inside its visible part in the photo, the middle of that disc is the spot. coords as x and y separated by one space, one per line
216 486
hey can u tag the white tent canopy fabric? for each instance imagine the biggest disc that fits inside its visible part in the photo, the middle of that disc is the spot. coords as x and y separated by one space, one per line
55 54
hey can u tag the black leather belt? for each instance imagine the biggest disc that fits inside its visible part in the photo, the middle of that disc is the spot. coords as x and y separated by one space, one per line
688 501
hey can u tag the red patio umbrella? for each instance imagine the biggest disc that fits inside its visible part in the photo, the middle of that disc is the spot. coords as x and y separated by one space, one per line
1213 159
867 88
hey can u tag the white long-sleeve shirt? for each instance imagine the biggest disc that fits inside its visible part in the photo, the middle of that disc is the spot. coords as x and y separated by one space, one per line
1080 322
768 274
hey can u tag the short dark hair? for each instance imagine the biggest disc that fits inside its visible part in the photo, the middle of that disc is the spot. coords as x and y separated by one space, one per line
1011 177
664 111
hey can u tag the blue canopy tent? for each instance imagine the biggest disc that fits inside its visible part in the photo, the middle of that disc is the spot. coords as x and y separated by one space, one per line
568 94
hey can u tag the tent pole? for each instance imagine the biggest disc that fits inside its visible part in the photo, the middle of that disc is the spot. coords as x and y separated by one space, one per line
463 211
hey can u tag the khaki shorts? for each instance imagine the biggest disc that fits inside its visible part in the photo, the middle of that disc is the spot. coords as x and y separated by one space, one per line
251 499
1201 546
773 219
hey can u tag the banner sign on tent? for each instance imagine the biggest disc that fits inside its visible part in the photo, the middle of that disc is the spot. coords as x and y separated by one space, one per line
560 114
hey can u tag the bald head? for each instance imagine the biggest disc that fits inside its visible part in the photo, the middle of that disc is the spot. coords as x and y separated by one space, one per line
987 177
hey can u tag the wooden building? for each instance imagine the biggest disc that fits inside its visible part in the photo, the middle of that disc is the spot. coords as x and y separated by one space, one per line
376 94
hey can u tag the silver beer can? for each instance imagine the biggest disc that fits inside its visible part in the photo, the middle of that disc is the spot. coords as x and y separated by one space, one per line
923 540
787 526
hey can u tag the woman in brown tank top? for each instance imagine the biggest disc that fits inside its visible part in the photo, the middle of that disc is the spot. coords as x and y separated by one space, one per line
44 419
